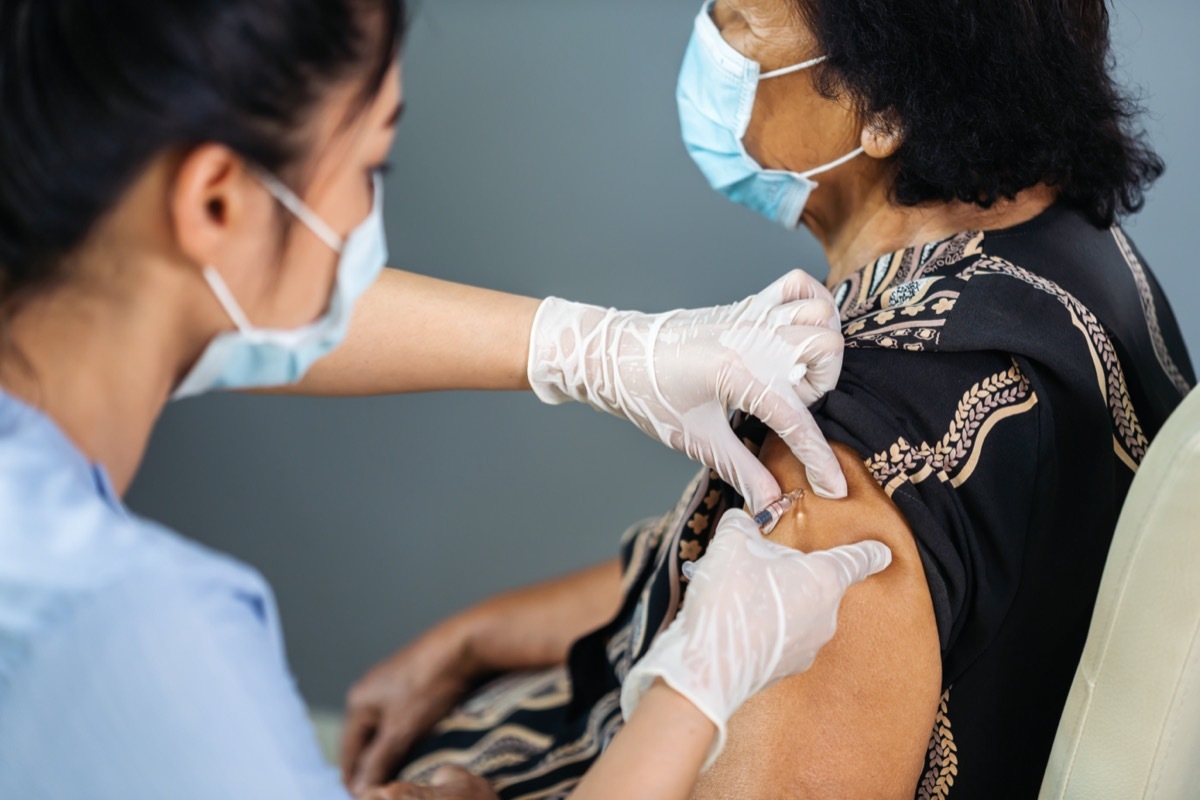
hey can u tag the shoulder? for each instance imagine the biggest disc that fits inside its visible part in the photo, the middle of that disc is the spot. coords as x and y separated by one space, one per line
64 533
124 594
80 571
167 680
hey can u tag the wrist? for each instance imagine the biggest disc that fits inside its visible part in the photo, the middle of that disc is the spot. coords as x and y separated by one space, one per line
557 368
661 695
677 717
458 641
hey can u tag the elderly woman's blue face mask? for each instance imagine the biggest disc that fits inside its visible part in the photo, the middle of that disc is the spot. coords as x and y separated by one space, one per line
716 91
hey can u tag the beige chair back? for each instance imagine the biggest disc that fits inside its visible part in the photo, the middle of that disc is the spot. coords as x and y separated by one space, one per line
1131 726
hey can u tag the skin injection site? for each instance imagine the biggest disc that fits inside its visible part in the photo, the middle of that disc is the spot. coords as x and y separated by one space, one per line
603 400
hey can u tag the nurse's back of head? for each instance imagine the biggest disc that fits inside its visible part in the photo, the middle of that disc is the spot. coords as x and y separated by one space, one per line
153 158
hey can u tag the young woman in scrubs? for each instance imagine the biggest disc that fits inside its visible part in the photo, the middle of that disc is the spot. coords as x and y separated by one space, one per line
190 200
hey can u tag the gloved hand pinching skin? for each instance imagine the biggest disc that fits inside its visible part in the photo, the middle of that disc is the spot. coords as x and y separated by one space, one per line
755 612
678 374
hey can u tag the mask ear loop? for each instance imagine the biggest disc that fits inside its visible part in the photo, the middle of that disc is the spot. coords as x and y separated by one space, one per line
228 301
812 62
306 215
294 204
833 164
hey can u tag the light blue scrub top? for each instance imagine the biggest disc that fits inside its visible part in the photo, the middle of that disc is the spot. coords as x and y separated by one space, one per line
133 663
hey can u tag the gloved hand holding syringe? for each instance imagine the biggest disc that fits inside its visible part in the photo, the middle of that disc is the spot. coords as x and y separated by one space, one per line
755 612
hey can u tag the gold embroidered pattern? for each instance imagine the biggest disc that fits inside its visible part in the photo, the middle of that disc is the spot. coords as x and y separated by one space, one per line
986 403
941 760
863 291
1109 372
911 317
1150 310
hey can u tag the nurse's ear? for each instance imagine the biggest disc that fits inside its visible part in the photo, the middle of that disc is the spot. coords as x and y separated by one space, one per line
219 212
882 137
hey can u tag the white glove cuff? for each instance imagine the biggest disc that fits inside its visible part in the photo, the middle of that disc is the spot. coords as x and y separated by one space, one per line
546 369
642 677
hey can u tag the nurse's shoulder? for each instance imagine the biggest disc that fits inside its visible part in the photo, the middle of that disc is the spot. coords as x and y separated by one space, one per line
154 663
65 537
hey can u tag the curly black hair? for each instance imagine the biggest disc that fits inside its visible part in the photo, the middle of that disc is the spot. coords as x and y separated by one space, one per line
991 97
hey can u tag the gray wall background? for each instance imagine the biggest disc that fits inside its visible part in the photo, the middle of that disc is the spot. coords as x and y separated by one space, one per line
540 154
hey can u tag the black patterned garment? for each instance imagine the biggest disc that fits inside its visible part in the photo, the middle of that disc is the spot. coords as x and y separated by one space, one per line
1002 388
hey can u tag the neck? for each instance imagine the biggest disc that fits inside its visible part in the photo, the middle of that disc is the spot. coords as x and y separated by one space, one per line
100 364
857 229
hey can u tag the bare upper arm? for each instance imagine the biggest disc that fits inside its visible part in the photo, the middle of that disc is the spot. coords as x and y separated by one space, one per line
857 724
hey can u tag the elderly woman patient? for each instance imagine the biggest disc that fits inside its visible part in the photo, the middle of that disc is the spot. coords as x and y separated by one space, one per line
1009 358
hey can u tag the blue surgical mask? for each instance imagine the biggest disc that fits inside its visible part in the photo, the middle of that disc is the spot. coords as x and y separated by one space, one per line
717 85
251 357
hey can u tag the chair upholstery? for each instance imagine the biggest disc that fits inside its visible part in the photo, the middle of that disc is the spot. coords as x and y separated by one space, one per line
1131 726
328 725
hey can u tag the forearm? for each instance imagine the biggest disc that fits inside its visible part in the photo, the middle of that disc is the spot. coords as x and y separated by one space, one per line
534 627
412 333
667 725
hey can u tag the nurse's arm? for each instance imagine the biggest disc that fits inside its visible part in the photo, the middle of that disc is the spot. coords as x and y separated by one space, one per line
656 756
412 333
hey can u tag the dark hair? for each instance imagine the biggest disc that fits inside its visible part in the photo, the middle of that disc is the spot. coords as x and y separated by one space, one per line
992 97
92 90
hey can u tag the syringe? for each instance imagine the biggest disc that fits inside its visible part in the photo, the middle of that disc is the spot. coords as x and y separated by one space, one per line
769 517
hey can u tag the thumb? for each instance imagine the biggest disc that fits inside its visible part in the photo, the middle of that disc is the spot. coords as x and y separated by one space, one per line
375 764
855 563
449 775
742 470
793 286
735 521
796 426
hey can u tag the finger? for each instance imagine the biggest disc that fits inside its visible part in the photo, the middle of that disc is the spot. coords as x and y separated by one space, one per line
817 353
360 728
449 775
814 313
795 285
396 791
378 761
741 469
462 783
787 416
735 531
735 521
854 563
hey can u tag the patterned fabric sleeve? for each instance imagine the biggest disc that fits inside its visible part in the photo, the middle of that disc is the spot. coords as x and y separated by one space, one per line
951 444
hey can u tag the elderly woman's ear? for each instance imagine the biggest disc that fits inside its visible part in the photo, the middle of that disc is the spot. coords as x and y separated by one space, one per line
881 138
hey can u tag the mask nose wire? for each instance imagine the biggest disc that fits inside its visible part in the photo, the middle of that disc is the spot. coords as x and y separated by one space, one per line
294 204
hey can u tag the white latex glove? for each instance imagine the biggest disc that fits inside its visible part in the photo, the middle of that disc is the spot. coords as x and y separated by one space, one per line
677 375
755 612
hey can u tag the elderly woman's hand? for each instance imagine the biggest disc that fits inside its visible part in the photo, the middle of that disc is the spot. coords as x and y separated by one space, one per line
448 783
678 375
399 700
